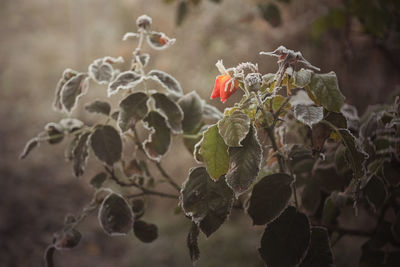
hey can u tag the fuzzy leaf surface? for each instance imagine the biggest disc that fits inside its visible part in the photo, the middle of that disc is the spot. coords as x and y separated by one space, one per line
206 202
285 241
214 152
124 81
98 106
308 115
106 144
269 198
167 81
171 110
325 88
160 138
72 90
80 154
133 108
192 107
115 215
244 164
234 128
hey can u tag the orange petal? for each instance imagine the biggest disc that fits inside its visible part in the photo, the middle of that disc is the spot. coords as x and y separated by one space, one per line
226 94
216 91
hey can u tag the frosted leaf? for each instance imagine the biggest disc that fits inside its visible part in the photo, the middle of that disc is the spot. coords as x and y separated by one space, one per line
72 90
159 41
101 70
308 114
130 35
301 98
67 75
125 80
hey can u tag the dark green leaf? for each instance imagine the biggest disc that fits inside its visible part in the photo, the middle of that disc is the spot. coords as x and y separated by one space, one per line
101 70
244 163
285 241
167 81
234 128
330 212
308 115
98 106
320 132
30 145
391 172
124 81
269 198
371 257
326 90
98 180
171 110
146 232
336 119
72 90
160 138
319 253
206 202
67 75
80 154
106 144
192 107
214 152
67 239
48 256
396 227
133 109
115 215
191 242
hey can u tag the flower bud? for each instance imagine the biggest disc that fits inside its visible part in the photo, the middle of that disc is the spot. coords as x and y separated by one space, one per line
143 22
253 81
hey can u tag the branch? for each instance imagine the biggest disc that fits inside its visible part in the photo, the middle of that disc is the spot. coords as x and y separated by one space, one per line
167 177
144 190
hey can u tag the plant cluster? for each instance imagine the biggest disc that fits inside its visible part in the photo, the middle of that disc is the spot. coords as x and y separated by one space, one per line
290 153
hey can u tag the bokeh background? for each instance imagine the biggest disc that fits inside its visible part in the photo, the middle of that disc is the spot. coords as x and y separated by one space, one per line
40 38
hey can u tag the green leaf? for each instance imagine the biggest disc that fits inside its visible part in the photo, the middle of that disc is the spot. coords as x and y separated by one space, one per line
308 115
206 202
106 144
171 110
302 78
160 137
115 215
375 192
98 180
146 232
269 198
133 108
98 106
125 80
167 81
320 132
214 152
72 90
319 253
285 241
191 242
192 107
244 163
67 75
326 90
234 128
81 153
30 145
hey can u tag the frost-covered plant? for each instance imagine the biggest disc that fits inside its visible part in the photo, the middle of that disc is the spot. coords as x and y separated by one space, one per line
290 153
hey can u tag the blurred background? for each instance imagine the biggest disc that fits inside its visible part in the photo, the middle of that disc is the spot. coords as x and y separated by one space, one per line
359 40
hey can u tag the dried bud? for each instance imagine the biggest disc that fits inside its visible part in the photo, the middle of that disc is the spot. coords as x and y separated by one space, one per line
143 22
253 81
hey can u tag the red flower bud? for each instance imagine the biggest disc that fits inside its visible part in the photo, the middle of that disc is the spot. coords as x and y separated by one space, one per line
224 87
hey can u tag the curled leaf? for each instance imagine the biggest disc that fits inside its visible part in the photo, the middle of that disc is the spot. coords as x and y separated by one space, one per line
159 41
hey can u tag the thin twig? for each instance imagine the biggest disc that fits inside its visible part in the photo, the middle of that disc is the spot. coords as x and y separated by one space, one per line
167 177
